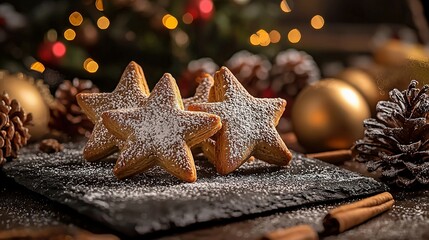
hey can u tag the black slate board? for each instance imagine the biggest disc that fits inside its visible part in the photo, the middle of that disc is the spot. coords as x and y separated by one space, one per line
155 201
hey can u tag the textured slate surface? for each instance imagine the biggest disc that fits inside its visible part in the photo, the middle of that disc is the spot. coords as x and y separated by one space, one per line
155 201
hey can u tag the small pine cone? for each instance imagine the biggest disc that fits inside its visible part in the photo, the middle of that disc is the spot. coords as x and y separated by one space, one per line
13 128
292 71
50 146
396 142
66 115
195 69
252 71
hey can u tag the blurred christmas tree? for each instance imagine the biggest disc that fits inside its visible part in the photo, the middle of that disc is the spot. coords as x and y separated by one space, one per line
96 39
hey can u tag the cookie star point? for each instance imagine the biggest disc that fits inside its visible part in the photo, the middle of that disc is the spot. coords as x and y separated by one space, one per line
130 92
160 132
248 125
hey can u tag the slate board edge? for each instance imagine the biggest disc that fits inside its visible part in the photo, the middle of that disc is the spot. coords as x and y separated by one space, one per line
103 218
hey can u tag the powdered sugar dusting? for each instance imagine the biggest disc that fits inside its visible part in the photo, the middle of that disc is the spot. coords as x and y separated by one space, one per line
247 121
158 129
131 92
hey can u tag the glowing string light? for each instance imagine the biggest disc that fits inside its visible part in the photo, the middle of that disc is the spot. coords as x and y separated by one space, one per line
99 5
285 6
294 36
275 36
317 22
103 23
169 21
90 65
75 19
69 34
58 49
38 67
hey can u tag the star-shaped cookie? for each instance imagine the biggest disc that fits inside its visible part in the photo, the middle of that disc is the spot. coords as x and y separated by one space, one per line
160 132
131 91
248 125
205 83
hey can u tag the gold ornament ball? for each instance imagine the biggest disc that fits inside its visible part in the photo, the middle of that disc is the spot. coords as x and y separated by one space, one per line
31 99
329 115
364 83
398 53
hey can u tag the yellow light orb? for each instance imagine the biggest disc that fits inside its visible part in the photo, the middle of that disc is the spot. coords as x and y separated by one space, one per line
90 65
317 22
75 19
103 22
169 21
275 36
294 36
69 34
52 35
254 40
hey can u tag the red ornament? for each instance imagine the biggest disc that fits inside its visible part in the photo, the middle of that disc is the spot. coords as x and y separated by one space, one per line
200 9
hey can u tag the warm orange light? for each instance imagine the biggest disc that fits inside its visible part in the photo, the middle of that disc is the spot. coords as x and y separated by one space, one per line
317 22
90 65
294 35
103 22
264 37
187 18
99 5
254 40
275 36
38 67
76 19
69 34
285 7
169 21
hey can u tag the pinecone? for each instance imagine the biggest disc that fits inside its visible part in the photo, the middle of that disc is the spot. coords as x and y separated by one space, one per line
396 142
292 71
66 115
13 131
195 69
252 71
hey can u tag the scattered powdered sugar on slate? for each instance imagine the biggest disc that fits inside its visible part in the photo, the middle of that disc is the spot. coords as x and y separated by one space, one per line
201 93
155 201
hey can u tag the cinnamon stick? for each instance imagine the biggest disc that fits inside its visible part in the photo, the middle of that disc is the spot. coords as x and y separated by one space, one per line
334 157
347 216
299 232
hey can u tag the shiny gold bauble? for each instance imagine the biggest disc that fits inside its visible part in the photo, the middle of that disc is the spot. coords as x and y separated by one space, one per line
31 97
397 53
329 115
364 83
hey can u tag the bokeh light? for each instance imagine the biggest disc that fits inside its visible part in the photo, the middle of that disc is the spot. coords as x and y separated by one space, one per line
103 23
285 6
275 36
58 49
294 36
75 19
317 22
169 21
90 65
69 34
187 18
38 67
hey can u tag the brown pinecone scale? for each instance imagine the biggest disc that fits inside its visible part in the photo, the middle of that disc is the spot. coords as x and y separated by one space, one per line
13 131
396 142
66 115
